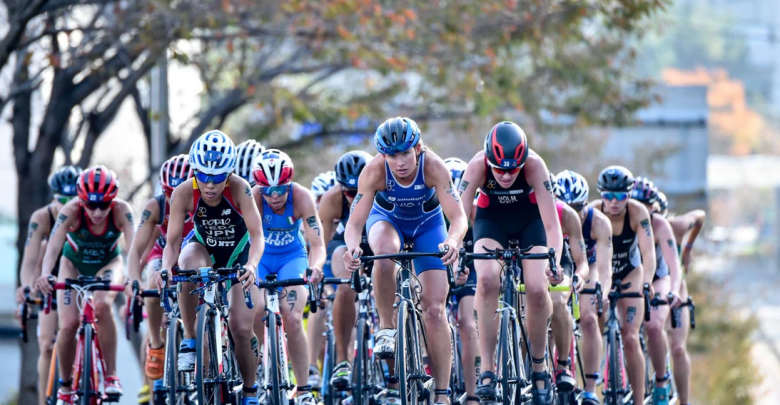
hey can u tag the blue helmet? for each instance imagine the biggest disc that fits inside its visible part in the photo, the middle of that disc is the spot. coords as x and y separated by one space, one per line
213 153
64 180
396 135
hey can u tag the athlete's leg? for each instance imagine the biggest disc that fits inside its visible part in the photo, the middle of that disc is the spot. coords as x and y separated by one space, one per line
241 323
193 256
591 337
68 320
467 329
104 314
154 313
562 329
292 307
678 338
47 330
657 345
384 239
433 303
539 307
486 303
631 314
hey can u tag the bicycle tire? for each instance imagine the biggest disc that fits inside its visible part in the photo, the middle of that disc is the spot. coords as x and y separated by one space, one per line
277 393
405 358
207 394
172 342
614 383
507 358
456 376
360 388
327 391
54 379
85 397
232 375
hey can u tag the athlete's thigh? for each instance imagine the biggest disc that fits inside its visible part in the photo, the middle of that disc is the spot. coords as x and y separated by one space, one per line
337 263
662 287
67 310
238 306
194 255
293 301
631 310
484 268
153 266
588 302
117 276
680 333
47 327
434 286
427 241
384 238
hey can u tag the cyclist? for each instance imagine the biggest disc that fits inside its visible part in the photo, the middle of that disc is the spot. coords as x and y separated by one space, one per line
401 195
666 280
574 261
225 217
155 216
686 228
316 321
507 173
283 205
467 324
91 226
63 184
246 152
334 209
631 219
572 188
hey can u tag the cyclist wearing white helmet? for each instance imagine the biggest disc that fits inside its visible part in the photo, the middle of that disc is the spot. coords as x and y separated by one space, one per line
225 218
284 205
412 189
572 189
246 152
322 183
633 251
334 209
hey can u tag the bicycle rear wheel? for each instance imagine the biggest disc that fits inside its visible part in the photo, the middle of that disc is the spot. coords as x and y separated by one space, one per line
361 389
206 366
85 388
507 359
172 378
278 394
614 395
405 360
327 391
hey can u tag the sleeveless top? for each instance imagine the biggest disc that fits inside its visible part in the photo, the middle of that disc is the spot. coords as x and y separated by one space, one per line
282 231
413 203
164 208
518 197
625 251
83 247
587 225
220 227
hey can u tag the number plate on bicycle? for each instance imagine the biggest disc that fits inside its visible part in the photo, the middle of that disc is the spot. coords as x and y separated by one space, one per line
210 293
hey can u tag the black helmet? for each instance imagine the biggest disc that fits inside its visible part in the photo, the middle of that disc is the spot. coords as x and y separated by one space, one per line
64 180
644 191
616 178
506 146
349 166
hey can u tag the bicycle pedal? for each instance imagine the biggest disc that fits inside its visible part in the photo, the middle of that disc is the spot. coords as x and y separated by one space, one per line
109 398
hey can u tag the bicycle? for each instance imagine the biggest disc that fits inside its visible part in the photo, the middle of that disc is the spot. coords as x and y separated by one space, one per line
514 387
457 377
89 367
415 383
367 375
175 387
217 379
25 314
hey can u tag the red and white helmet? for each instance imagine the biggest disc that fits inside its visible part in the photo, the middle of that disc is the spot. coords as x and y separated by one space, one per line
174 172
272 168
98 184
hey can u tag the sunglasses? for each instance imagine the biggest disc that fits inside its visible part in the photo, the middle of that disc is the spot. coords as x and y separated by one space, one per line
63 199
277 190
349 192
614 195
216 179
92 206
505 171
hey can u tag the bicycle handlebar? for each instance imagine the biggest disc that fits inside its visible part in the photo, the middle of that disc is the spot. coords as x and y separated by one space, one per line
509 254
401 256
211 275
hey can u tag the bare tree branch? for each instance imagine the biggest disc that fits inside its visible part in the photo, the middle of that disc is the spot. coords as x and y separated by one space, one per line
18 24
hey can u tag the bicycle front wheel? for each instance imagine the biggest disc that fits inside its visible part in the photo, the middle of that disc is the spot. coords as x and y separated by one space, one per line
507 359
361 390
405 360
614 395
278 392
206 360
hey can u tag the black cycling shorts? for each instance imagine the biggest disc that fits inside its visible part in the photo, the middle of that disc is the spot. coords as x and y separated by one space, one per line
527 233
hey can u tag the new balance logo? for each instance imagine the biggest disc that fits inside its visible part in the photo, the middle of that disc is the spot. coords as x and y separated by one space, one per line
226 212
419 186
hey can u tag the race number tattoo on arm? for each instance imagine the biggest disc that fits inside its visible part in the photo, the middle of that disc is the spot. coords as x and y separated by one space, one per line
454 193
60 220
548 187
646 226
129 217
355 202
30 231
312 221
670 243
609 240
248 191
462 187
144 216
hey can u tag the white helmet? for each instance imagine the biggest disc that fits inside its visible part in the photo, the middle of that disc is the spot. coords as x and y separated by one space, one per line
272 168
571 187
213 153
247 151
456 167
322 183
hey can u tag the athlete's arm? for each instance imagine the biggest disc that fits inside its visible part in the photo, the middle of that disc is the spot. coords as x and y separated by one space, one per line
149 217
369 183
473 178
307 209
330 205
254 225
579 251
538 177
149 246
69 215
181 202
644 232
694 224
437 175
124 216
665 237
601 230
36 234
